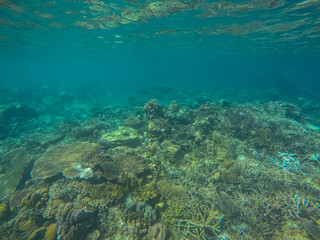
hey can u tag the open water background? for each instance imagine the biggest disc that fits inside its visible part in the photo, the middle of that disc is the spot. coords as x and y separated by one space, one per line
205 45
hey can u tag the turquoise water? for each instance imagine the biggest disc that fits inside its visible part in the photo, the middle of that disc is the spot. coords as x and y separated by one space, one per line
170 42
178 119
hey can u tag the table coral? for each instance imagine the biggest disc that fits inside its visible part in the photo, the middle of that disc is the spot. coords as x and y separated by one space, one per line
14 163
67 159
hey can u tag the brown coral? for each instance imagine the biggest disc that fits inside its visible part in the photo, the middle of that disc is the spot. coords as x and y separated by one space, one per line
154 110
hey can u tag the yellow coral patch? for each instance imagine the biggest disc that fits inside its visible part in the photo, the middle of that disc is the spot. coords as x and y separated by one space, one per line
4 211
124 136
51 233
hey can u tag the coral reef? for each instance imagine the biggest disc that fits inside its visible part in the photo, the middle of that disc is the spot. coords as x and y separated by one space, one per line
46 233
192 169
4 211
154 110
17 112
134 122
138 214
66 159
14 117
13 164
124 136
74 223
157 231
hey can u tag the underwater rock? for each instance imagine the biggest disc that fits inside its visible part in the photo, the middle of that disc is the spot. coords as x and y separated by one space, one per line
74 224
14 163
157 231
154 110
4 211
18 113
134 122
67 159
124 136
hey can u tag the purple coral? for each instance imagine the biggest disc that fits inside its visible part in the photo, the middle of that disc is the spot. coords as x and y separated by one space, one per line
75 224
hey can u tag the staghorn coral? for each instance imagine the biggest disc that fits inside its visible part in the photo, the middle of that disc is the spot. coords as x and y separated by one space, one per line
199 219
173 193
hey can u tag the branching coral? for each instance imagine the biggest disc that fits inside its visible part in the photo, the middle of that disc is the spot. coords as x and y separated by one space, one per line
201 222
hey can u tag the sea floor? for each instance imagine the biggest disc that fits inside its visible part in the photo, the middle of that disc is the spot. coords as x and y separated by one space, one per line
158 163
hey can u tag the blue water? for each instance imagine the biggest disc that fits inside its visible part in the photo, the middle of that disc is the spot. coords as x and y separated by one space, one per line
190 44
